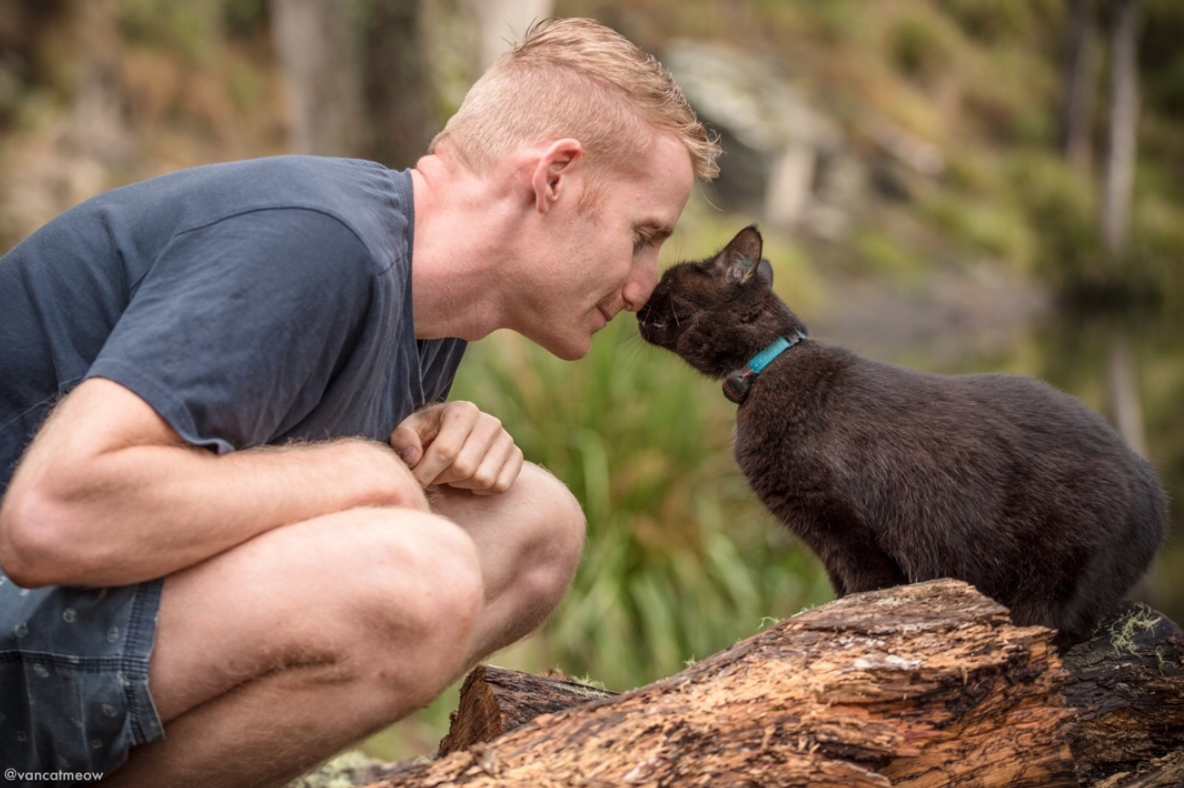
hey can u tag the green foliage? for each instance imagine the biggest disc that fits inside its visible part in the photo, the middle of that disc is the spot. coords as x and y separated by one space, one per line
1003 21
194 28
880 252
191 28
918 47
1070 253
987 226
836 21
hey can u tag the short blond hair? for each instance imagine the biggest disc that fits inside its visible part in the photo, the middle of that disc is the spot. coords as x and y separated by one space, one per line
576 78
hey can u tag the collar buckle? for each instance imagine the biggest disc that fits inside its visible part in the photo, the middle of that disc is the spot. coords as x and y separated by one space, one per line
739 382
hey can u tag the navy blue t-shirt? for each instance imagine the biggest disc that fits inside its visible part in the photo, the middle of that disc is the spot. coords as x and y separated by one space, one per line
249 303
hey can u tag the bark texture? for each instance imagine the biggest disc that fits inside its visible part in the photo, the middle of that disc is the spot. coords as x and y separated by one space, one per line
1127 688
927 685
494 700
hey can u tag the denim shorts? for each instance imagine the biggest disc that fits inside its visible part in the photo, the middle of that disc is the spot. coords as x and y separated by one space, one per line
74 679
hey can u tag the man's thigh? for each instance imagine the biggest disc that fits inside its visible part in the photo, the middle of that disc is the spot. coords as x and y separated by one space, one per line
349 589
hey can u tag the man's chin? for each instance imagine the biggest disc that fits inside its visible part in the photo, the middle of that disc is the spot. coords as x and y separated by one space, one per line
572 354
573 350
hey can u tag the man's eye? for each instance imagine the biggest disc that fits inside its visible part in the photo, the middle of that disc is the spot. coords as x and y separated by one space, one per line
642 242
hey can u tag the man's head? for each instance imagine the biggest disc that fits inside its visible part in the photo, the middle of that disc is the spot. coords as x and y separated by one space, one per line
576 78
598 151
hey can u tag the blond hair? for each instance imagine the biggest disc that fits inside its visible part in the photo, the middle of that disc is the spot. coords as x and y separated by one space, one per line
576 78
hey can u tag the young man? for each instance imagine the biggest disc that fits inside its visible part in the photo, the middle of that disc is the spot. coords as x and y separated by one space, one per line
251 522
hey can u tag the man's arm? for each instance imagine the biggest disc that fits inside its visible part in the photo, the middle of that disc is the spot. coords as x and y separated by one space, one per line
108 494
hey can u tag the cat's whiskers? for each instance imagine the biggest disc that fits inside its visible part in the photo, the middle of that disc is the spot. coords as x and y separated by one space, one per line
631 345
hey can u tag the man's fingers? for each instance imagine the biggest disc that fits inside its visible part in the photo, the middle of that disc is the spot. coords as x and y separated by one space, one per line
405 440
458 445
454 426
494 471
475 456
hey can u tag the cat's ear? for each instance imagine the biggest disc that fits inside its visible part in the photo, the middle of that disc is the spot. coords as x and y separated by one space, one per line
741 260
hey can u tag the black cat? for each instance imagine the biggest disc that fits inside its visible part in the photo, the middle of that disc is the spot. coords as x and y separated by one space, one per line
892 475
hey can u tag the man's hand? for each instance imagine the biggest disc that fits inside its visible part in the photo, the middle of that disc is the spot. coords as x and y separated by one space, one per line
456 444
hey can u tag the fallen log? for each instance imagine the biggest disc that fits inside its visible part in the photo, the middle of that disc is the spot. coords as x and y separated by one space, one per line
1126 685
926 685
494 700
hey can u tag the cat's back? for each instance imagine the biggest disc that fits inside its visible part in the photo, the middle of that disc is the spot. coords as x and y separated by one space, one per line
830 389
859 422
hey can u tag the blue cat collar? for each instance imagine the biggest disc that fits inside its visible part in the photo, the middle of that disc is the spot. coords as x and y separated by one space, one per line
737 384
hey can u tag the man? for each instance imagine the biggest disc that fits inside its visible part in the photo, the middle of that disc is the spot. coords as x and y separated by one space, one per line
250 521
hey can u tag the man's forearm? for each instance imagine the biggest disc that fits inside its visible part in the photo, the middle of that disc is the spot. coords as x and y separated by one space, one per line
125 502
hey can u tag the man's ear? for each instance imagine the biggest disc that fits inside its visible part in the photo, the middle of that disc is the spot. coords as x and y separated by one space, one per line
558 171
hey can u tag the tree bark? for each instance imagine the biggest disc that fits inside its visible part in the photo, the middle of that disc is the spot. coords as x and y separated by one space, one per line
1124 114
494 701
1127 688
317 52
1078 85
924 685
397 84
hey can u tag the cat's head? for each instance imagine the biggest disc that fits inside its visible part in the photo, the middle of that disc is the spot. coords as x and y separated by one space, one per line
719 312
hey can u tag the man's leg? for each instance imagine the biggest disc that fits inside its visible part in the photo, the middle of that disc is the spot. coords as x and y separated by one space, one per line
529 542
277 654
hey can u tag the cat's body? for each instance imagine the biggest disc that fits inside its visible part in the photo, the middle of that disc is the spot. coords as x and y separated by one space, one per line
891 475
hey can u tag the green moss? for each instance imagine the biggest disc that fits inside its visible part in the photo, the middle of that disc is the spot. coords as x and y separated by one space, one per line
1124 633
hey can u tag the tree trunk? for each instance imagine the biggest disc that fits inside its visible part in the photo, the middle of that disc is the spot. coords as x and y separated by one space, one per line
398 85
499 22
1077 90
317 52
1124 115
923 685
1122 395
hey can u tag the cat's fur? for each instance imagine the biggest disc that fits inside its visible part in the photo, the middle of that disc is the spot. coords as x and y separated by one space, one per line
892 475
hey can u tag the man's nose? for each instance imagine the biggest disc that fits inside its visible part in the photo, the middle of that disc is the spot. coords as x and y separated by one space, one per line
640 286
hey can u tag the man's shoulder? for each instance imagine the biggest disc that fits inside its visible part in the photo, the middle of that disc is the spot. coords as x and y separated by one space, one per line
369 199
290 181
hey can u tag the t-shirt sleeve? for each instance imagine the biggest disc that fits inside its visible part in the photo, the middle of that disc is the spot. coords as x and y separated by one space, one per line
238 327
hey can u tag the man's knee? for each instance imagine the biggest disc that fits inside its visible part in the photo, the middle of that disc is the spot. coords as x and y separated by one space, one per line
560 525
551 540
417 599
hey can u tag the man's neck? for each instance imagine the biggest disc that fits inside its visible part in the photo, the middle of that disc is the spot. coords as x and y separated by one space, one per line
457 260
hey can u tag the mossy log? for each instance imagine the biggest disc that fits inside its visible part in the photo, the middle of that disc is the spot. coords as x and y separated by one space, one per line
1126 686
926 685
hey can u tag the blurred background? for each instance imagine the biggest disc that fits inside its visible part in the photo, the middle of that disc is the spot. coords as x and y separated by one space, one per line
959 186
